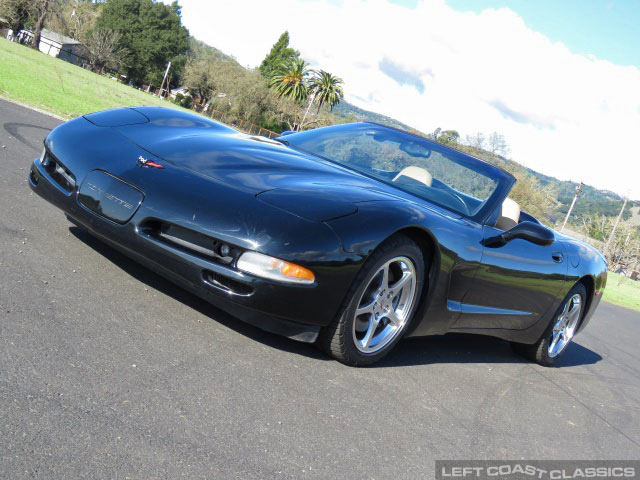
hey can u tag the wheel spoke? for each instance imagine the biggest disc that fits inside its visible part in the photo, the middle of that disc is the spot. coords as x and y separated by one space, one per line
393 318
373 325
574 311
565 309
385 277
400 284
368 308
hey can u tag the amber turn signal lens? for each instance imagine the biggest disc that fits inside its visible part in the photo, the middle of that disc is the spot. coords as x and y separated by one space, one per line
273 268
296 271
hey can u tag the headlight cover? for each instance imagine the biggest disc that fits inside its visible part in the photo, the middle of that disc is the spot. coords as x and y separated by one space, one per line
274 269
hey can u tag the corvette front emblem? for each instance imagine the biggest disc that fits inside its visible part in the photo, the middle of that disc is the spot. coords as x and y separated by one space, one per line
143 162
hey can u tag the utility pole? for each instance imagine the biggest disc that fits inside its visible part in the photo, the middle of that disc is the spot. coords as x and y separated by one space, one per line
615 225
164 78
578 188
313 97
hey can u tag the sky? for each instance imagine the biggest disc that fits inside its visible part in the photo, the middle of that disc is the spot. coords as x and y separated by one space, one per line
559 79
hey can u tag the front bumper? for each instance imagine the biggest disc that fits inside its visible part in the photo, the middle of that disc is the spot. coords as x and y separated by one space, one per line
294 311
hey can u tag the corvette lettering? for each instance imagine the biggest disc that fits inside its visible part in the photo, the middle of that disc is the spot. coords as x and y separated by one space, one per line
110 196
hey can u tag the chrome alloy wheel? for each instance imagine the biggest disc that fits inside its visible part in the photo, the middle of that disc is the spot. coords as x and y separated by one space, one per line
566 325
385 305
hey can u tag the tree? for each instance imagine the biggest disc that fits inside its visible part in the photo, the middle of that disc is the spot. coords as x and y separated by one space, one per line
199 78
290 80
446 137
16 13
327 89
533 198
103 49
74 18
292 115
498 144
279 55
478 140
40 10
151 32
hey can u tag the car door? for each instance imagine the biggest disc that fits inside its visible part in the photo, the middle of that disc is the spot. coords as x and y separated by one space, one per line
515 284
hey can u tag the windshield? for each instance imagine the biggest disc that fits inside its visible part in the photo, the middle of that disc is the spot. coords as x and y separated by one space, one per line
425 169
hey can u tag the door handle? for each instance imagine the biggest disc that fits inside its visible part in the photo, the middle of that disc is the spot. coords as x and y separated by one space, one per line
557 257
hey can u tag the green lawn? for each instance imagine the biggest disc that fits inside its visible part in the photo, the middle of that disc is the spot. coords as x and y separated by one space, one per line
56 86
622 291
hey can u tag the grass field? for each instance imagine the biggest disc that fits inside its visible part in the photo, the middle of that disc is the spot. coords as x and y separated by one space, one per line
622 291
56 86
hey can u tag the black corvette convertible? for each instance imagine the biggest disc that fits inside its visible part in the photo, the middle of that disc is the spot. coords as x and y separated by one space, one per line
350 236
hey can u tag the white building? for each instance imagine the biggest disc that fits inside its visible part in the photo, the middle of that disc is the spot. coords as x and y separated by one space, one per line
55 44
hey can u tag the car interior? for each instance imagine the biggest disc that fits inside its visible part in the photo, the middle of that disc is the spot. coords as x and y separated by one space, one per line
417 173
509 215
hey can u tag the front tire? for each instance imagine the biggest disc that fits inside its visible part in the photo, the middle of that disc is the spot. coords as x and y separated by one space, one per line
560 332
379 305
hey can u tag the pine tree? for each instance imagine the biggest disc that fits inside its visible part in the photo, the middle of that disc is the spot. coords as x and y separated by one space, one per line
279 55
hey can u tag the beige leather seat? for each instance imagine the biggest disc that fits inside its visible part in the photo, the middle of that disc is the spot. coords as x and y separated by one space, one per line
509 215
417 173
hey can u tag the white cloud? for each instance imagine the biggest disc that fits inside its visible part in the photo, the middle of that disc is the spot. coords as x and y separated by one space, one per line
566 115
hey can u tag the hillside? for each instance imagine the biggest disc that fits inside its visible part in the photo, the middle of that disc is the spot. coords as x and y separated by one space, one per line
591 200
348 111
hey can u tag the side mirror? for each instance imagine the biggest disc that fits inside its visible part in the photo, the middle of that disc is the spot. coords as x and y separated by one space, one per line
529 231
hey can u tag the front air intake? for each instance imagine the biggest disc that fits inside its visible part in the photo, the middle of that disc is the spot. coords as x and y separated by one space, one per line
190 241
58 172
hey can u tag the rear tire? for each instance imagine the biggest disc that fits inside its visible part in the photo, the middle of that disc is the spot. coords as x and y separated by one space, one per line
379 306
560 331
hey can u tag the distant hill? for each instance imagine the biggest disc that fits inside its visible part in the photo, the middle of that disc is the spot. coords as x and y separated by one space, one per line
200 50
591 200
349 111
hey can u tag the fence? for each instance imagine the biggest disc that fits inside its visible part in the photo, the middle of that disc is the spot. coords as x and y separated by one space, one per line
243 125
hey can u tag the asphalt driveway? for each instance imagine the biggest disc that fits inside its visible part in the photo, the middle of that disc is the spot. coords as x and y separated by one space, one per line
109 371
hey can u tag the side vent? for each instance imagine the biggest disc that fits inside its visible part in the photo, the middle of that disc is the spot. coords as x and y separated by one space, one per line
227 284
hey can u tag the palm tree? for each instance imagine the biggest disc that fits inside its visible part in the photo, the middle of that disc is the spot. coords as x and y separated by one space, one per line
290 80
327 88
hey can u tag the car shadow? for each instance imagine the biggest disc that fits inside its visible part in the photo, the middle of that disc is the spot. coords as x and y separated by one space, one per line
469 348
450 348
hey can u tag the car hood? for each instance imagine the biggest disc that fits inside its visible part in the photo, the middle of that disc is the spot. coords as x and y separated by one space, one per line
299 183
